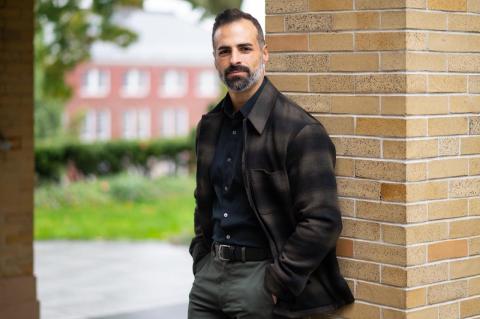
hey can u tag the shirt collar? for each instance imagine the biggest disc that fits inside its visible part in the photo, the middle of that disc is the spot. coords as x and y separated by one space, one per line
246 108
258 116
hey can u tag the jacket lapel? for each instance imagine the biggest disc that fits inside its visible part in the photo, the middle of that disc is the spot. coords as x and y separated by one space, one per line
260 112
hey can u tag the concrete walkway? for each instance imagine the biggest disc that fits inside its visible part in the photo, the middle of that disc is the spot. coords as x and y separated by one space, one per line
114 280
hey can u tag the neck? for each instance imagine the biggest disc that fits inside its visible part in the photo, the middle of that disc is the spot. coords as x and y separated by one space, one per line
240 98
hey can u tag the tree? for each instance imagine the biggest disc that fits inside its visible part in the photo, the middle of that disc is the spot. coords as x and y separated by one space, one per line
64 33
65 30
213 7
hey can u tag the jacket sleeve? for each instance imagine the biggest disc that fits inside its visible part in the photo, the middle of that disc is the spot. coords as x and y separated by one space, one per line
198 245
310 167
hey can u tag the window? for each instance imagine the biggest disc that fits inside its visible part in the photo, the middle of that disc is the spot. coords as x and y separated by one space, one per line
143 130
207 84
168 123
102 125
96 126
174 122
136 124
135 83
181 122
173 83
129 124
95 82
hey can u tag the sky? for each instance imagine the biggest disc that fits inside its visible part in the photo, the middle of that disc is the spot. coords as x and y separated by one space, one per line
184 10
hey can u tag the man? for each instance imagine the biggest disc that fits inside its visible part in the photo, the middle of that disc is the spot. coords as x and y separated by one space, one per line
266 217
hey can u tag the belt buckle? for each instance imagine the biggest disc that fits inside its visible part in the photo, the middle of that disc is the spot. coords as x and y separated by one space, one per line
220 249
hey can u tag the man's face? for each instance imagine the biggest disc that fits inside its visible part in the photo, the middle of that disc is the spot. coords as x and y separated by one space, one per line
239 59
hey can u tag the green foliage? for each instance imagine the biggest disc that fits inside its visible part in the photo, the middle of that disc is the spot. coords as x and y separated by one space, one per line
214 7
130 189
54 196
92 209
64 33
49 161
105 158
65 30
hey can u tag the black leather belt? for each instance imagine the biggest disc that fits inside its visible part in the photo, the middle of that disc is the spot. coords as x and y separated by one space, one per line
239 253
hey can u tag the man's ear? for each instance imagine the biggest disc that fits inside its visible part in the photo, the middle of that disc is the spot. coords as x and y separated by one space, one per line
265 53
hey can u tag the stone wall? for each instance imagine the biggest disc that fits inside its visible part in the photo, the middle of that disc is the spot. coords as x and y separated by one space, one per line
396 83
17 282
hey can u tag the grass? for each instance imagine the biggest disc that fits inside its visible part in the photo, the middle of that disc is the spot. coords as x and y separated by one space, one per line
118 207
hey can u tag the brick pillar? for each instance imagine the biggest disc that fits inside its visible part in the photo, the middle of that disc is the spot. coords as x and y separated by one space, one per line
396 83
17 282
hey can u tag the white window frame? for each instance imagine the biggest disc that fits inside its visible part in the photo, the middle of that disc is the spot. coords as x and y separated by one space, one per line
134 88
174 122
103 133
129 124
181 124
91 126
140 123
92 87
144 120
202 89
167 89
167 121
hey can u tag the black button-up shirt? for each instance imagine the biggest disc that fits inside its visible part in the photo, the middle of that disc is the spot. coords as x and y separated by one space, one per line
233 219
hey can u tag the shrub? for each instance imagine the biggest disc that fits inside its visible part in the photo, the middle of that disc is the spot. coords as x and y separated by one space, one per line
131 188
106 157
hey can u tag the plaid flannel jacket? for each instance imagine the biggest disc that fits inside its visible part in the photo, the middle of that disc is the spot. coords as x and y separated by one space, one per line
288 168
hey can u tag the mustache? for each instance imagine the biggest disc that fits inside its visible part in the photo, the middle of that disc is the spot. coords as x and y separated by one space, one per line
235 68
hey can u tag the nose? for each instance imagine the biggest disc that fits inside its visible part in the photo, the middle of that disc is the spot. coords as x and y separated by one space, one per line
235 57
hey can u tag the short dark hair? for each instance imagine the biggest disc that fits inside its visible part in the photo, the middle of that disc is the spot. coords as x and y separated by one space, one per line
232 15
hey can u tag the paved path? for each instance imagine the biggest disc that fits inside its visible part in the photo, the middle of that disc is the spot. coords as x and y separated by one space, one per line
112 280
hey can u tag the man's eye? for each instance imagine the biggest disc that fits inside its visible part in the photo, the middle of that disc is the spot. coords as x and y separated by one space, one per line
246 49
223 52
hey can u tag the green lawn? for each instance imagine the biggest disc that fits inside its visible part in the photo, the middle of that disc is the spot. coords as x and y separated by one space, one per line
119 207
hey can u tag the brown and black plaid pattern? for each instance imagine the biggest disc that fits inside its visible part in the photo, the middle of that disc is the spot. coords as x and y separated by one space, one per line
288 168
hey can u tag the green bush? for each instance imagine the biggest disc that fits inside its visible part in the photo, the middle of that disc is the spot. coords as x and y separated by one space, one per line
131 188
106 157
53 196
49 161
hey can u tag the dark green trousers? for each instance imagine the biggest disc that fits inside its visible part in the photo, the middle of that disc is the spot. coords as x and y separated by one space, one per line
234 290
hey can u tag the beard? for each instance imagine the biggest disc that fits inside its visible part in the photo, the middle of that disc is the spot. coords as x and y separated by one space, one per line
238 83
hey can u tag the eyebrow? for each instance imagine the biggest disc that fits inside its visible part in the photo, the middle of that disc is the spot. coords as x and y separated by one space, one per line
223 47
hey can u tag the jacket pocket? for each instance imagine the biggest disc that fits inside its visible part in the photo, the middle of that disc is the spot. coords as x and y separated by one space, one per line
270 190
271 194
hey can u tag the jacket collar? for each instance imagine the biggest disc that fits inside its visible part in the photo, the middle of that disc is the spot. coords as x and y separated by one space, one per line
260 111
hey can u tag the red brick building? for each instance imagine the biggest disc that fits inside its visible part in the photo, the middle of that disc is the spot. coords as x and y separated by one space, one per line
157 87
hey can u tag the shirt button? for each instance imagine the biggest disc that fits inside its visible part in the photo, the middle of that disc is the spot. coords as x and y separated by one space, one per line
234 132
225 215
228 236
226 188
229 159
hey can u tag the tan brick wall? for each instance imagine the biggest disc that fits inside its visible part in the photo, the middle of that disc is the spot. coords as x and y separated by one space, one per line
396 83
17 281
